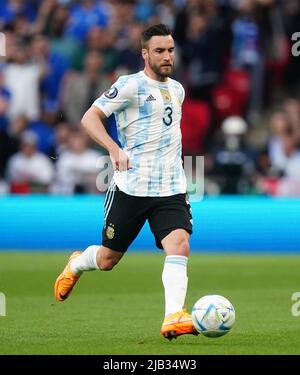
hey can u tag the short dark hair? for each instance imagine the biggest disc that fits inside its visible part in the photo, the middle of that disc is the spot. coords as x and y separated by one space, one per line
154 30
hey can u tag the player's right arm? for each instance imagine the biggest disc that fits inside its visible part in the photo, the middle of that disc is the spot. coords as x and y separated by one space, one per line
92 123
114 100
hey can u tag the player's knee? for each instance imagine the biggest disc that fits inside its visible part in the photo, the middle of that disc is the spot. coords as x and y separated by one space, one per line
107 264
183 247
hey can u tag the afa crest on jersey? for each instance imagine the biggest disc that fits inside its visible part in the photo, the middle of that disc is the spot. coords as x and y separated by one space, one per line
166 95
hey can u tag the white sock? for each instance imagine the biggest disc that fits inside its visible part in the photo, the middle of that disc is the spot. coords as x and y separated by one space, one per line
175 280
87 261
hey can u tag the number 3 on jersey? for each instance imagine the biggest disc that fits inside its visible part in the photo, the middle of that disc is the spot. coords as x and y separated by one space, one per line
167 119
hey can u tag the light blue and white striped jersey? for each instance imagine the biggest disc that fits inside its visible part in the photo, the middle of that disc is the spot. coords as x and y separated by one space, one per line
148 114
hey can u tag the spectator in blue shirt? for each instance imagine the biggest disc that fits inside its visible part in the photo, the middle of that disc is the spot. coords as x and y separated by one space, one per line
44 128
10 9
55 66
84 16
4 101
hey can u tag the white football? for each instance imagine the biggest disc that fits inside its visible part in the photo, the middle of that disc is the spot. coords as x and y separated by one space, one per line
213 315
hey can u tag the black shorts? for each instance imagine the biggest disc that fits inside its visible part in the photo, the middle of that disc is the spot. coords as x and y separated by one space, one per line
125 215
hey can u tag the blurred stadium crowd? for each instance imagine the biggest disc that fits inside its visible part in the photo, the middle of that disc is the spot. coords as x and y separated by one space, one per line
242 108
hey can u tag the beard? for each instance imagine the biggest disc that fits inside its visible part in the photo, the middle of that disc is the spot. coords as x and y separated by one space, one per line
160 70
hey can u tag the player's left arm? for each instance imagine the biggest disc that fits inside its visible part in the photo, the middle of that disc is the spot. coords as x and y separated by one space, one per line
181 93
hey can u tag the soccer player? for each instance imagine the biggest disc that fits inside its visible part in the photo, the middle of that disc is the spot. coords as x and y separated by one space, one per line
148 182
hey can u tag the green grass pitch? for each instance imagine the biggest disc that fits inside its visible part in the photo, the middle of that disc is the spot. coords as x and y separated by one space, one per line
120 312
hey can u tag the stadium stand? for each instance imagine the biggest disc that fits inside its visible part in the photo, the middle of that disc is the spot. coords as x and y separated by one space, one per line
233 57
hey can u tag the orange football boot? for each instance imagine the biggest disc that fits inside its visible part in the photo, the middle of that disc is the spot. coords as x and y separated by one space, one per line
177 324
66 280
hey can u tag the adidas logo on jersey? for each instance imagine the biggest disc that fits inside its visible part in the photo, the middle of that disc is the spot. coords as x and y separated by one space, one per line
150 98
